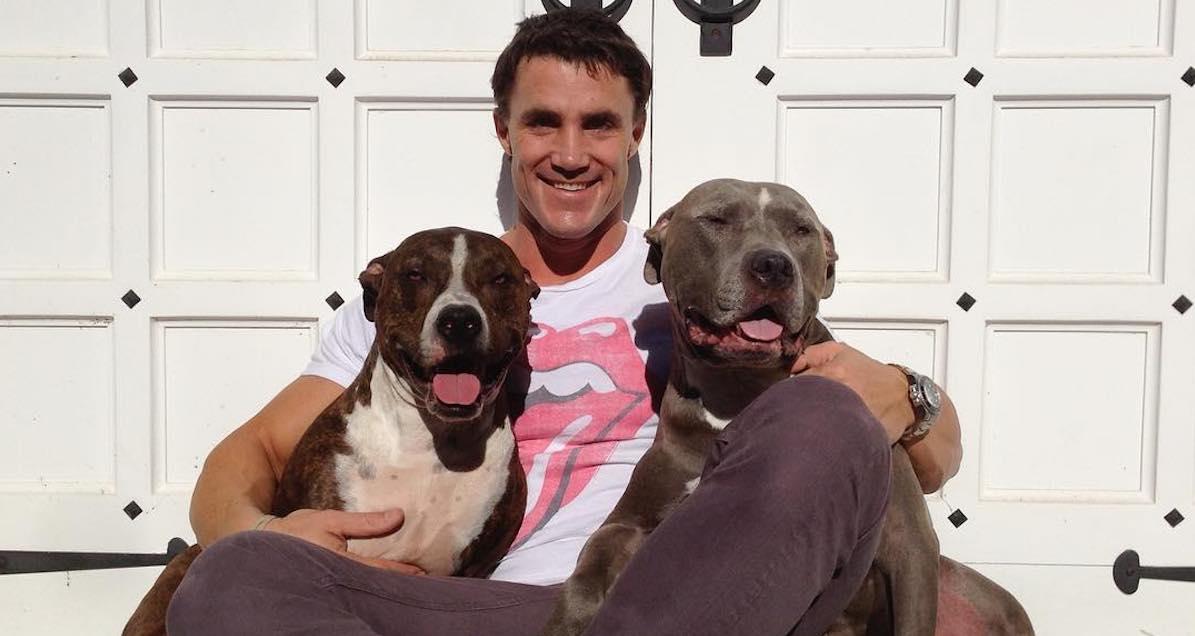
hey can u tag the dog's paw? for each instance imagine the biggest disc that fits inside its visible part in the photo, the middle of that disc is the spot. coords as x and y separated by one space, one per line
575 609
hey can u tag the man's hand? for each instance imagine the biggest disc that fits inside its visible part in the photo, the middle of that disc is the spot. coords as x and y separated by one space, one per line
332 529
883 387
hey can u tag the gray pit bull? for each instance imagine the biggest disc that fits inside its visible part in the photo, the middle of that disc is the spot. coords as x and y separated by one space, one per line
424 426
740 320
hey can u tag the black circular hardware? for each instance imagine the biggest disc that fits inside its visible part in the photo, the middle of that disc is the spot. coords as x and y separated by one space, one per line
615 11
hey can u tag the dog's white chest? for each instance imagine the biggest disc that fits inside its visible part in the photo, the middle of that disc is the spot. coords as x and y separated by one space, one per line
393 466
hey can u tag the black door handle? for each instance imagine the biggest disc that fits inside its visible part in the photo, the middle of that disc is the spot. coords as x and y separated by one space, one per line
615 11
25 562
716 18
1127 572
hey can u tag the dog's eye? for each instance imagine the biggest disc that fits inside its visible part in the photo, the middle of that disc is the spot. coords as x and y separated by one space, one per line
501 279
413 275
715 221
804 230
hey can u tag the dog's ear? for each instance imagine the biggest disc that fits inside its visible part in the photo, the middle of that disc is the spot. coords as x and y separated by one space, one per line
530 282
831 259
655 250
371 283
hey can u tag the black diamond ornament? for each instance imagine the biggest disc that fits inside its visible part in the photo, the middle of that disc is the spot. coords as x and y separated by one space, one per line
335 78
334 301
1174 517
127 77
957 518
973 76
765 75
132 510
130 299
965 301
1189 76
1182 304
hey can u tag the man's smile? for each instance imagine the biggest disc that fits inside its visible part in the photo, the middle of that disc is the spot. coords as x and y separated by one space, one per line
568 186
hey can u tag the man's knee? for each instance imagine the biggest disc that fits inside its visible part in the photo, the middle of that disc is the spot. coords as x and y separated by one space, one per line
216 579
810 410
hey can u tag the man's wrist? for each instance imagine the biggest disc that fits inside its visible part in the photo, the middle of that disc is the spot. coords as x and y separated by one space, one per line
923 401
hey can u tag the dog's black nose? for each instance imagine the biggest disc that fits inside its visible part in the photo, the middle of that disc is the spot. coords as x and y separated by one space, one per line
459 323
771 268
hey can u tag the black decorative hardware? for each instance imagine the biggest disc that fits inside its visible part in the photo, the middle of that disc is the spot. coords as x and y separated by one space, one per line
765 75
132 510
1189 77
130 299
957 518
1174 517
23 562
973 76
334 301
716 17
1182 304
1127 572
966 301
127 77
335 77
615 11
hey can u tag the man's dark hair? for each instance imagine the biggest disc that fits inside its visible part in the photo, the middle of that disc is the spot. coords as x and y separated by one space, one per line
584 37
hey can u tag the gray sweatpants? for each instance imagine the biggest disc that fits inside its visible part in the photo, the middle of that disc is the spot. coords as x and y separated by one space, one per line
775 540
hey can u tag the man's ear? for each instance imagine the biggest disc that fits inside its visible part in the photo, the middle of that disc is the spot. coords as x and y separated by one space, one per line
531 285
831 259
502 129
371 283
655 251
637 129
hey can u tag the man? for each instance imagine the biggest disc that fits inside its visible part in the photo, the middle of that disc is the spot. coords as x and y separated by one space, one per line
571 91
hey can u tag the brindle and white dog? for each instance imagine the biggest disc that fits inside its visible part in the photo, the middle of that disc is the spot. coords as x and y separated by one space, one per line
425 426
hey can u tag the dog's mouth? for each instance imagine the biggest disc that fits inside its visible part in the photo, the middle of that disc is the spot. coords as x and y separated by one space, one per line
760 334
459 386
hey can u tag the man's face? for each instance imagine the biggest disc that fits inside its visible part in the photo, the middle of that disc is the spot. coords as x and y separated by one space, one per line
570 137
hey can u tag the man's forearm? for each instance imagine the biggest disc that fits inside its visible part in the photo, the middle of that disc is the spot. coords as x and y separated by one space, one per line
936 457
235 488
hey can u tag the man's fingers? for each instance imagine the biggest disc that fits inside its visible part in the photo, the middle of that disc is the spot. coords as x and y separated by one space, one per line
366 525
816 355
387 564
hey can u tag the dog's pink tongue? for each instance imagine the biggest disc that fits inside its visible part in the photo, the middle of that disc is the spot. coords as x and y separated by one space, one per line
762 329
456 388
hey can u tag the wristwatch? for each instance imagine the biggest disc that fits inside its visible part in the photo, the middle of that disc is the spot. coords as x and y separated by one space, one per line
926 401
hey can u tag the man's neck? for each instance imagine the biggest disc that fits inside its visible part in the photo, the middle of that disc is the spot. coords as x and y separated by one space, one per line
553 261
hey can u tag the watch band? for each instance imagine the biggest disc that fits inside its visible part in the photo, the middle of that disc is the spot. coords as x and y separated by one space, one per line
925 399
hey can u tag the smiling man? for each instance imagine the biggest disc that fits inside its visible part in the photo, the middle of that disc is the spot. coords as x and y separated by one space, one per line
571 91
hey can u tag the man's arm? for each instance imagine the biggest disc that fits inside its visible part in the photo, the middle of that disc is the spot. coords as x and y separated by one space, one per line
936 457
236 486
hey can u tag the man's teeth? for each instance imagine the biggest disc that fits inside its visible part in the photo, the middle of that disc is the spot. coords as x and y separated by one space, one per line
572 187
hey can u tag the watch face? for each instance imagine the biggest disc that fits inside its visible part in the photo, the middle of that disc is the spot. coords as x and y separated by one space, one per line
930 392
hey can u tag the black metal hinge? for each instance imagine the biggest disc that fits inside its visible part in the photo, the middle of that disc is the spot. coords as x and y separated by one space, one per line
26 562
1127 572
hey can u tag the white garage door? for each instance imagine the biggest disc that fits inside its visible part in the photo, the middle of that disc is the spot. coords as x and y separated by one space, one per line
1053 187
265 150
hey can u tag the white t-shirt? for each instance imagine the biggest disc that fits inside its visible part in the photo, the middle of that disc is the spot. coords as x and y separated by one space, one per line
588 418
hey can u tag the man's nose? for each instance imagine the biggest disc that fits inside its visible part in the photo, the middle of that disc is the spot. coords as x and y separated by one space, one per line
570 157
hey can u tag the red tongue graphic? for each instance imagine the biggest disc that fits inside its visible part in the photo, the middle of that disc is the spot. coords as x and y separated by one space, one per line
456 388
762 329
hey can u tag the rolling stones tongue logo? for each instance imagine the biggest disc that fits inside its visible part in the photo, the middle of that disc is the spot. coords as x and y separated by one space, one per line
588 393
